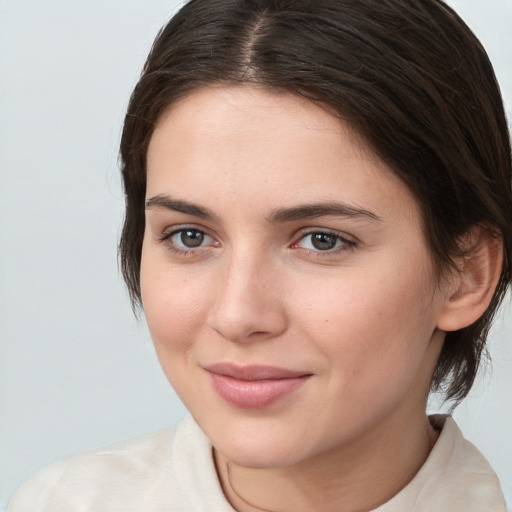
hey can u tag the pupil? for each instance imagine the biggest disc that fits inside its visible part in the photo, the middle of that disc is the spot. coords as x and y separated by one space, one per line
192 238
323 241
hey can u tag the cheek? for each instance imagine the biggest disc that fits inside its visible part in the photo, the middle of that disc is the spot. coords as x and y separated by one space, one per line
372 322
174 311
375 340
173 305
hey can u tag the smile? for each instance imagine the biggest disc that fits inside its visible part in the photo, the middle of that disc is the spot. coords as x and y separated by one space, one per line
254 387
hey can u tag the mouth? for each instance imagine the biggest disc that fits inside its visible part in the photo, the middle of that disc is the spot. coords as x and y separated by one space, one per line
254 387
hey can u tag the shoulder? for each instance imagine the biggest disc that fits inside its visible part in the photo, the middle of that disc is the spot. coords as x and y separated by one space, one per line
168 471
465 479
455 477
123 467
116 477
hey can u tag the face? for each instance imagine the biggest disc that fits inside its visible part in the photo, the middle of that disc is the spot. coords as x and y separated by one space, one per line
285 277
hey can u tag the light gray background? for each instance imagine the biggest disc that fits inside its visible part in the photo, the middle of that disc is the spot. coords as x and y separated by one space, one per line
77 371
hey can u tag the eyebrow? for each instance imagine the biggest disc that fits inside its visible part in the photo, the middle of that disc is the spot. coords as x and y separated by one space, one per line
168 203
314 210
280 215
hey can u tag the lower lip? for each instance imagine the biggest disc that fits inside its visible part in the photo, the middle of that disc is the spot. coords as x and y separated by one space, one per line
254 394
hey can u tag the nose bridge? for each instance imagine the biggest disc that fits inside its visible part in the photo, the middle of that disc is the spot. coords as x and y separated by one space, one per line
247 301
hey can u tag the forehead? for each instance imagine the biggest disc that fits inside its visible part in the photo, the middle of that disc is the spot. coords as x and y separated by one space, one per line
234 142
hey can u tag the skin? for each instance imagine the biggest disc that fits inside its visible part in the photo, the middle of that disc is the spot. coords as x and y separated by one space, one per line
361 318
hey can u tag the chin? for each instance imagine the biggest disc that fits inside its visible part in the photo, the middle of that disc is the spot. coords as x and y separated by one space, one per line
258 448
253 457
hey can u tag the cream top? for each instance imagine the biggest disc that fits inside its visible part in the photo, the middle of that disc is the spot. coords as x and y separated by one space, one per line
173 470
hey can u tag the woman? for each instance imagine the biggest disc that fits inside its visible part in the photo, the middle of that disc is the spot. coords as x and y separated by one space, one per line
318 227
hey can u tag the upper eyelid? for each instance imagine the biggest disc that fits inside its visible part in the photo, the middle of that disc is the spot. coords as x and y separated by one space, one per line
311 231
298 235
172 230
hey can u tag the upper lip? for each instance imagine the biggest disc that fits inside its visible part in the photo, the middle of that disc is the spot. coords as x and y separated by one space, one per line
254 372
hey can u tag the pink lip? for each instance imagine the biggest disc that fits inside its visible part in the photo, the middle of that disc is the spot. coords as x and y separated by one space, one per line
254 387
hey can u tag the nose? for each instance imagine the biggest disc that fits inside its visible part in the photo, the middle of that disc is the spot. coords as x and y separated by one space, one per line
249 304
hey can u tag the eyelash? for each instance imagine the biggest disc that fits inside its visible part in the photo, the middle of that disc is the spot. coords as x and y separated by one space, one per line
345 242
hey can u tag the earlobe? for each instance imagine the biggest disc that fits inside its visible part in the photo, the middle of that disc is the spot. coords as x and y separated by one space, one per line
472 286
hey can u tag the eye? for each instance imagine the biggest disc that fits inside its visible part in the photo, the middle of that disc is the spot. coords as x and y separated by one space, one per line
186 239
324 241
190 238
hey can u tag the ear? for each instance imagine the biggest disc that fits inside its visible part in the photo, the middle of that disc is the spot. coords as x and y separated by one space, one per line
471 288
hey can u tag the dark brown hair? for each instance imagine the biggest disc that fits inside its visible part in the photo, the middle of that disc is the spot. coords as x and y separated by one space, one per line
408 75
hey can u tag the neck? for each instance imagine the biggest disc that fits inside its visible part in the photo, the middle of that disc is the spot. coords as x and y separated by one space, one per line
358 477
